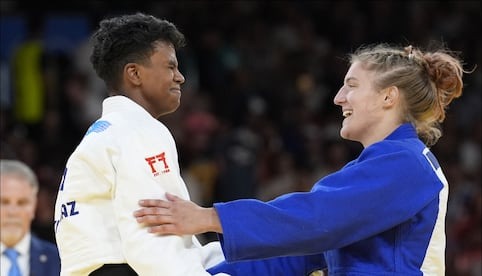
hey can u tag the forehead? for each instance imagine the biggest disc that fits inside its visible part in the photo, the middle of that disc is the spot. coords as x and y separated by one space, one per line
13 184
164 50
358 72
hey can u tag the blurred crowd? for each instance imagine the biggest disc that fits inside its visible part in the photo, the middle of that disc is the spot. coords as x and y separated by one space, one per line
257 117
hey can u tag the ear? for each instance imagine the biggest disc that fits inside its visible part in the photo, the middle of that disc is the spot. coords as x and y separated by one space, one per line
391 96
131 74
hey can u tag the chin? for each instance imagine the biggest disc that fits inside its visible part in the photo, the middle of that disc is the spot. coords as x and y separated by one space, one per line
176 106
11 237
173 109
344 133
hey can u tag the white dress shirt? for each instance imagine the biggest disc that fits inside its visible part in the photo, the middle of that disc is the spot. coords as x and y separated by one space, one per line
23 248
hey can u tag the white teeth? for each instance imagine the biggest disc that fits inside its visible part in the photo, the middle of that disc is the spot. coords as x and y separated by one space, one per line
347 113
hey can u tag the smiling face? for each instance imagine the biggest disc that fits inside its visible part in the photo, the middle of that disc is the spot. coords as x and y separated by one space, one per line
156 84
17 208
369 112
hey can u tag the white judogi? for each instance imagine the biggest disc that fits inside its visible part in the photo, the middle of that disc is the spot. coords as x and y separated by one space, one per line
125 156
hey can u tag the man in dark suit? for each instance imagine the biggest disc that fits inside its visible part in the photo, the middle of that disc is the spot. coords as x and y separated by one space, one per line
23 253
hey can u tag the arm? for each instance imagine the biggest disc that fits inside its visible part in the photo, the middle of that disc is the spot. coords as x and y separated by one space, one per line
342 208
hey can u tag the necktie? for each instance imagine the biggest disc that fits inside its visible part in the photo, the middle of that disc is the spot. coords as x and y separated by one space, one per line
12 255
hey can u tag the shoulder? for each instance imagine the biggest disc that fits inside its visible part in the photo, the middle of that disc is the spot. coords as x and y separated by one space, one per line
399 157
395 155
100 134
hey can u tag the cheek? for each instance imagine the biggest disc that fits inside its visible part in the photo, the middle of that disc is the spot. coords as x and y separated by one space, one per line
372 105
162 77
28 211
32 210
31 214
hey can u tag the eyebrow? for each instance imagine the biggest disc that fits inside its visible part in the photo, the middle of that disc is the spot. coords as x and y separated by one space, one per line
351 79
172 62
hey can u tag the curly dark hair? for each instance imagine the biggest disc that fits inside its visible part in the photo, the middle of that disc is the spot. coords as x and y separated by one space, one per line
129 38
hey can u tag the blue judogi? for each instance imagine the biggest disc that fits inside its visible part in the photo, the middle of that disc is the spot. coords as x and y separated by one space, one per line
381 214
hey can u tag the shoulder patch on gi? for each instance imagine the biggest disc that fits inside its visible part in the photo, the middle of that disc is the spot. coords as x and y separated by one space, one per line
98 126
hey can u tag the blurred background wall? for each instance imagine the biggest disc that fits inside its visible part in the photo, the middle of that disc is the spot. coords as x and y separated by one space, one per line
257 117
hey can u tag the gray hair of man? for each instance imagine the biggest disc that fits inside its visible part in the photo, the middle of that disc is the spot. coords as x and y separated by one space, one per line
20 170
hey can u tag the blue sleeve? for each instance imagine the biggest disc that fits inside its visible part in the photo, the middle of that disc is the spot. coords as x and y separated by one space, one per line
298 265
384 187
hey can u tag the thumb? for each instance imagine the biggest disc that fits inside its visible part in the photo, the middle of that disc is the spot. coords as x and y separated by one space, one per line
172 197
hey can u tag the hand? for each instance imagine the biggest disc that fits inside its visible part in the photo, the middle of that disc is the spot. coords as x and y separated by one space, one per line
177 216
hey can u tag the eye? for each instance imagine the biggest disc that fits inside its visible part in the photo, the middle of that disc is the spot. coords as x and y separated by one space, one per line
24 202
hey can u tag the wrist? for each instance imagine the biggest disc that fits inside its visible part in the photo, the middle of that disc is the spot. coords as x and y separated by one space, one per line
214 224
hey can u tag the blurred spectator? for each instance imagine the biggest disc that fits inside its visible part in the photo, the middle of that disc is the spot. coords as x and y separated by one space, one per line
22 252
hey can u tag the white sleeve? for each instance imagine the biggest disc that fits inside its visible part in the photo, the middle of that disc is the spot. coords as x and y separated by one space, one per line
149 254
212 254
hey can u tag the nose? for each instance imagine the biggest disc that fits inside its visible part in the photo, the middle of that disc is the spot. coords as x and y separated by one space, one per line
178 77
340 97
11 208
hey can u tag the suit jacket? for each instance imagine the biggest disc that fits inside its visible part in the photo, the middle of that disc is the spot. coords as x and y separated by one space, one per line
44 258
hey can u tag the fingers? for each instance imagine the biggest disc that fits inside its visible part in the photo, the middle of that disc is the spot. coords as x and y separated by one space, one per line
160 224
156 219
172 197
152 212
159 215
159 202
165 229
154 203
